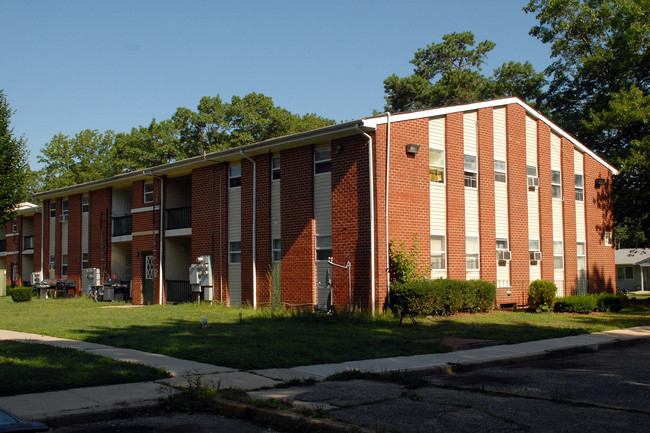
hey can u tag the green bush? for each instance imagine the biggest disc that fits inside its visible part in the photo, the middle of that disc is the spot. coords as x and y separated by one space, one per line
20 293
575 304
609 302
442 296
541 294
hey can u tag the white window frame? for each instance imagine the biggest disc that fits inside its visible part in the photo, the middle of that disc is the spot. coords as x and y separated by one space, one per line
234 176
64 210
85 204
147 196
14 225
622 272
472 256
234 252
556 184
84 261
276 250
581 253
580 187
558 255
437 170
500 171
438 256
322 160
52 210
323 247
533 246
275 168
52 262
471 171
64 265
607 238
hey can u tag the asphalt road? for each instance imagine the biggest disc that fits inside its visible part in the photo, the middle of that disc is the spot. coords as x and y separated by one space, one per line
606 391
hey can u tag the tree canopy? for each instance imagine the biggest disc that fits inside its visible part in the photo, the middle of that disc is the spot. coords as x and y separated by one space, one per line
13 164
600 91
449 73
215 125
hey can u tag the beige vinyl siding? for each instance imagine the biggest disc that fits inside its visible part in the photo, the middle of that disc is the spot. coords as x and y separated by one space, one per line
437 191
84 232
499 132
276 221
470 133
46 265
578 164
501 190
234 234
533 196
64 238
558 226
470 136
323 225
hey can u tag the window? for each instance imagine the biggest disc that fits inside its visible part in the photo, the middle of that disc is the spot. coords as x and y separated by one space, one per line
437 252
625 272
533 249
503 254
470 171
531 171
323 247
148 192
499 171
533 245
580 188
234 176
276 250
437 166
558 255
84 204
322 160
533 180
275 168
607 238
581 251
471 253
52 210
14 226
64 265
502 244
84 261
556 183
64 210
234 252
51 267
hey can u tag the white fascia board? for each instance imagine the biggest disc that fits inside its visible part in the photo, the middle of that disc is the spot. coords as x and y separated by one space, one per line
372 122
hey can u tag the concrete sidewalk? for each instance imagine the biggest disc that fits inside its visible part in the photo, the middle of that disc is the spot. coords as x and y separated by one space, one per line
48 406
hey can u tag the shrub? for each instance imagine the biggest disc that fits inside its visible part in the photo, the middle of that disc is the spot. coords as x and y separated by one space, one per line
575 304
541 294
20 294
442 296
609 302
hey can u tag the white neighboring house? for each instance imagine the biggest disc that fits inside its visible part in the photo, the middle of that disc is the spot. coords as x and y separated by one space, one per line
632 269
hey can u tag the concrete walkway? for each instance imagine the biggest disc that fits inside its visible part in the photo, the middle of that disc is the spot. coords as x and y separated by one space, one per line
48 406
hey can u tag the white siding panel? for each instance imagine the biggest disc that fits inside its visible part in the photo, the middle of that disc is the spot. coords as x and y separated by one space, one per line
503 275
501 209
499 132
556 153
471 212
437 133
323 271
64 238
578 162
557 220
323 203
581 235
234 284
531 141
276 221
52 236
469 133
559 282
536 270
533 215
84 232
438 208
234 214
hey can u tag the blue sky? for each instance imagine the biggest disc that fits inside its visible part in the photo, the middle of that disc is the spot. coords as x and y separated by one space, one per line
70 65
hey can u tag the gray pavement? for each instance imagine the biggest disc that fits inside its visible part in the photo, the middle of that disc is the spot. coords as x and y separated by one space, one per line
327 396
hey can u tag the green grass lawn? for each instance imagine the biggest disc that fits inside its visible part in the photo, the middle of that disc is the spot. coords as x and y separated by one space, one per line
27 368
250 339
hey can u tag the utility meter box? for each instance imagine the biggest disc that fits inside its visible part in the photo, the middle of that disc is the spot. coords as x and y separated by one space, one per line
201 277
91 278
36 278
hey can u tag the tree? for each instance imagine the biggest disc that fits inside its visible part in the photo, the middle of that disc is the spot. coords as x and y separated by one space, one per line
449 73
13 164
600 90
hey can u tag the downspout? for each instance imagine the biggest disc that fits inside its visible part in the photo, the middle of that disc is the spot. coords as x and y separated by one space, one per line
42 238
386 204
372 221
254 225
162 241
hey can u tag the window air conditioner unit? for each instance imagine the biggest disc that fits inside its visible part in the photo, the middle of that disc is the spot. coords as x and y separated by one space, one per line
535 256
503 255
533 182
63 217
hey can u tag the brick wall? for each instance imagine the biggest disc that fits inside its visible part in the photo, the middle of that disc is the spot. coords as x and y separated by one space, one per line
487 226
569 218
74 239
263 228
455 180
517 198
58 242
297 208
545 200
99 230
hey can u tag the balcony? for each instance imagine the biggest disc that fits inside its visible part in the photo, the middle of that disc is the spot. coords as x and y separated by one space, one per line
179 218
28 243
122 226
3 245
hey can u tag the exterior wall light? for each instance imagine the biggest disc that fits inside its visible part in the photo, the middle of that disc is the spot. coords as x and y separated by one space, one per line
412 149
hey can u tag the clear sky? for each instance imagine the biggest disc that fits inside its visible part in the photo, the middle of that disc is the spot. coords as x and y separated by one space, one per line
66 65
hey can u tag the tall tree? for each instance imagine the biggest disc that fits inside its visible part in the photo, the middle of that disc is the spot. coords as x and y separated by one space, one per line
600 90
13 164
449 73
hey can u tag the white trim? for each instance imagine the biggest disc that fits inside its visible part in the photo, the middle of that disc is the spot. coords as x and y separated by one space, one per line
9 235
178 232
125 238
144 209
374 121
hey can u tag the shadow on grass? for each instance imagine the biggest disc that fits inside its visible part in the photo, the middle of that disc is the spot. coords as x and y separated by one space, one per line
262 341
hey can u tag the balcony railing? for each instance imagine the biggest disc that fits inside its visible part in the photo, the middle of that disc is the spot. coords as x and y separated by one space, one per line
178 291
28 243
122 226
179 218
